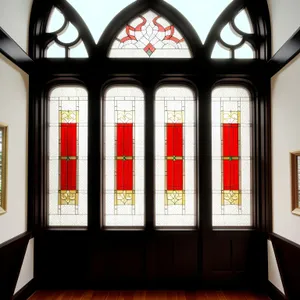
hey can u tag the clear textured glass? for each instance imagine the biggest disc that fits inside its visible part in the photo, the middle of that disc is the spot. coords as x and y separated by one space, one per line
97 14
229 36
149 36
55 51
202 14
175 157
67 156
244 52
124 157
220 51
69 35
56 21
231 157
243 23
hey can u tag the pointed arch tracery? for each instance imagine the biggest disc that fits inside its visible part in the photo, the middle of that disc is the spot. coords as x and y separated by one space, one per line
178 24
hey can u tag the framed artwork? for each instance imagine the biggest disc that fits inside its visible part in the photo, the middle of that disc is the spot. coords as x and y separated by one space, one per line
3 167
295 172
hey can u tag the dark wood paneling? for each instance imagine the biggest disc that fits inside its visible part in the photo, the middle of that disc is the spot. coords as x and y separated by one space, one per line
274 293
141 259
10 49
287 255
235 258
11 254
149 295
26 291
285 54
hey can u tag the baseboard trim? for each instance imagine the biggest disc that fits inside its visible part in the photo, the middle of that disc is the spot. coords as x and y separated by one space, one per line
26 291
12 254
274 293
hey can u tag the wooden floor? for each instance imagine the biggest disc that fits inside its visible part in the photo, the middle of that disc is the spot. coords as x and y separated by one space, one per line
146 295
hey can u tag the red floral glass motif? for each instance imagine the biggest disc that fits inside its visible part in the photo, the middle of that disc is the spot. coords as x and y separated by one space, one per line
150 33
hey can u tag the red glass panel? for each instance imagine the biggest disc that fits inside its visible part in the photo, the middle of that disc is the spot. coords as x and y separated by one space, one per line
125 157
174 139
231 175
68 170
175 175
125 175
124 139
68 145
68 152
230 140
174 157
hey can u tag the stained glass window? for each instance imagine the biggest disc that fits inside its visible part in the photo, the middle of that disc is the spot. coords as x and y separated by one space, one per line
150 35
124 152
231 157
3 160
201 13
67 191
175 157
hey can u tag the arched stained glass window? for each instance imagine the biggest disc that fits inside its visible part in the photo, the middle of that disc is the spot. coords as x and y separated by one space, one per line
124 153
67 156
82 41
150 35
231 156
201 13
175 156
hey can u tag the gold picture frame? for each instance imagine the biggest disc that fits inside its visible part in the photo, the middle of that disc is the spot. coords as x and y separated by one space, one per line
3 168
295 181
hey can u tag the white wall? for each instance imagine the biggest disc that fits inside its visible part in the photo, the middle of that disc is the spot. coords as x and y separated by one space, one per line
285 138
273 271
285 20
14 19
13 112
26 273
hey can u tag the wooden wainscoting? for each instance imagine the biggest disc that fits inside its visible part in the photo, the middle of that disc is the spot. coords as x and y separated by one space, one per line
148 295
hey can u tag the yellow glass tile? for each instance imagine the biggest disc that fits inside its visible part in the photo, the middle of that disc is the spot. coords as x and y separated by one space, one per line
231 117
124 198
176 116
68 116
68 198
125 116
174 198
231 198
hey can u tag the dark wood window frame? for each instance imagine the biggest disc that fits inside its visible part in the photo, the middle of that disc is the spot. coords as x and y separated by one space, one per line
200 72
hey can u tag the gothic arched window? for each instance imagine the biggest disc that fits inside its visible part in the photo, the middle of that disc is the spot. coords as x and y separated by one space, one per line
153 112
